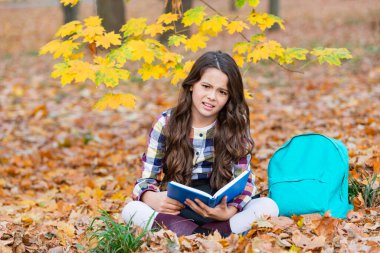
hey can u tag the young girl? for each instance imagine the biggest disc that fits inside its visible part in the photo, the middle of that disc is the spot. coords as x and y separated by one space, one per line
203 142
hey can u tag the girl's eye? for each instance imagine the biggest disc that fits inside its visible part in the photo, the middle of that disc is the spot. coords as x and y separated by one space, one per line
224 93
206 86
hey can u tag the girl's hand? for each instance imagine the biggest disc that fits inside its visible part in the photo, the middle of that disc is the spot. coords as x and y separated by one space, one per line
220 212
160 202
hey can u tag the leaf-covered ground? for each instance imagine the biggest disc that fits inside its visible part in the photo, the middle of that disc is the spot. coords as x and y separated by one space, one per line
60 162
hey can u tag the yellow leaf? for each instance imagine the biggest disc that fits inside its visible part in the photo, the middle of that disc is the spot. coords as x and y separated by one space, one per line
82 71
155 29
118 196
293 53
59 48
180 72
62 70
236 26
194 15
93 21
242 47
140 49
266 50
26 220
67 2
171 59
176 40
69 28
93 29
213 25
247 95
177 75
196 41
265 20
134 26
115 100
66 228
108 39
147 71
239 59
167 18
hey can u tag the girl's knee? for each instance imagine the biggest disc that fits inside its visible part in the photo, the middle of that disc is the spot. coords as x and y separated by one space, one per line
270 206
131 209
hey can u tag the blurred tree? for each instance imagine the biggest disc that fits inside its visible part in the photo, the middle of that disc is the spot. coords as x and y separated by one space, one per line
112 12
179 28
232 5
70 13
274 8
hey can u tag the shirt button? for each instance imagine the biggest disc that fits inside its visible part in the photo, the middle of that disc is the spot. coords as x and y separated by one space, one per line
197 153
200 135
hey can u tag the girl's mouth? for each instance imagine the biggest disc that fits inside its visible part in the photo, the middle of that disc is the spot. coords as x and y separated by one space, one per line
207 105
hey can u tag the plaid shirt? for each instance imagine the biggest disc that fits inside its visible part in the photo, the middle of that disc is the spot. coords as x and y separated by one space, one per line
202 140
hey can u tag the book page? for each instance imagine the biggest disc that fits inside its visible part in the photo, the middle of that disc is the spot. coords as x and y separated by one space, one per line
192 189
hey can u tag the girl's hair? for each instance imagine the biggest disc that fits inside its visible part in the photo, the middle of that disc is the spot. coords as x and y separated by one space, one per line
232 139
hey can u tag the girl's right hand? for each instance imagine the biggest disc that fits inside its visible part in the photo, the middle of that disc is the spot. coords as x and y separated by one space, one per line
161 203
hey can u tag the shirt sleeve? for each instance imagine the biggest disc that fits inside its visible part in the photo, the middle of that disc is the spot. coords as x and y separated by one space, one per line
152 171
250 189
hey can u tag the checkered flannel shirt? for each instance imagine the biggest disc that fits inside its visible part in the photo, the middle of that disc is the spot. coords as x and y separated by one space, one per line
202 140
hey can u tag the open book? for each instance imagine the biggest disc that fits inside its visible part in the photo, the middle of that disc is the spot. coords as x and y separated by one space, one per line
234 188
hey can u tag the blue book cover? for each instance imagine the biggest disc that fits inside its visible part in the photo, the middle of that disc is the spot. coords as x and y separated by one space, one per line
234 188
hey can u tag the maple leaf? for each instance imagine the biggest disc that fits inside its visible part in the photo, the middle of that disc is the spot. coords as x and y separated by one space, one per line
59 48
147 71
108 39
93 29
108 74
176 40
194 15
171 59
239 59
67 2
241 3
155 29
82 71
180 72
167 18
69 28
140 49
236 26
121 54
134 26
213 25
196 41
242 47
292 53
247 94
266 50
331 55
258 38
265 20
115 100
62 70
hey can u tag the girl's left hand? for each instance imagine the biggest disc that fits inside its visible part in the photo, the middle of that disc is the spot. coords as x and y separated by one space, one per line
220 212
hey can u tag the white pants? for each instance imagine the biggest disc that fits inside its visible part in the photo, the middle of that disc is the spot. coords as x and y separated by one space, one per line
142 214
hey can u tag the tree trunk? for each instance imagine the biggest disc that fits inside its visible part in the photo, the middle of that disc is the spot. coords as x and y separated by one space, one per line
70 13
113 14
274 8
232 5
179 28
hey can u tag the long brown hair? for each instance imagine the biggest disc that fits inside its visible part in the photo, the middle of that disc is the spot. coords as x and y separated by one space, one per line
232 139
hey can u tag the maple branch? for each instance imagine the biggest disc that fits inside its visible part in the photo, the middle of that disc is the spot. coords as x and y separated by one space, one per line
244 37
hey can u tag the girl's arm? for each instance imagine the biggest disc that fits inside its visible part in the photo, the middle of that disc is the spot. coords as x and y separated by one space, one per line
147 187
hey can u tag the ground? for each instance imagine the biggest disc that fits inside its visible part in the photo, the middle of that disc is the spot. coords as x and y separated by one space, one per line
60 161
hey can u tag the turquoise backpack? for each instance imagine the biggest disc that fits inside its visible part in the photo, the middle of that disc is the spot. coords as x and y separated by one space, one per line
309 174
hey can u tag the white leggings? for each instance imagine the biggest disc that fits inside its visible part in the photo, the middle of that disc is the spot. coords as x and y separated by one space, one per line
141 214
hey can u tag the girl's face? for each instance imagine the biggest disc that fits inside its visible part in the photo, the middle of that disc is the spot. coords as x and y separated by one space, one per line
209 96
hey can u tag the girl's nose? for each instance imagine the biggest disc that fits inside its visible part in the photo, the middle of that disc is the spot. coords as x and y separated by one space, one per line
211 95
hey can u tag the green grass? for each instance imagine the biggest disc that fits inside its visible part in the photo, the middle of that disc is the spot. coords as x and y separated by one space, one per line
106 235
370 193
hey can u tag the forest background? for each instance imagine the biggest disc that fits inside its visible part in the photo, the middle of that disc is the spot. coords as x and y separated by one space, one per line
60 161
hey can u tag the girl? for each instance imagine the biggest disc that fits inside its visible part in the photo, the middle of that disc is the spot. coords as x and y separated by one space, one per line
203 142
